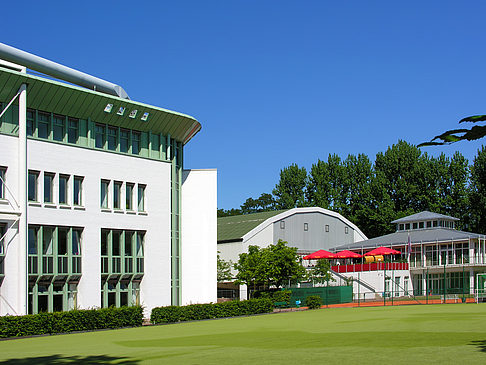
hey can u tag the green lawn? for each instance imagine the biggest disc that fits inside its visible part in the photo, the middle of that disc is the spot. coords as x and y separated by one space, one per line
454 333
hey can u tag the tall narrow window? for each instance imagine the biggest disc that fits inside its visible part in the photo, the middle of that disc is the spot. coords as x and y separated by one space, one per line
63 189
104 242
32 193
76 241
62 241
112 138
128 243
104 193
141 198
2 232
100 136
73 130
115 243
306 226
47 240
32 240
48 187
58 127
129 196
124 140
346 230
30 122
140 238
135 143
117 195
43 125
3 172
78 190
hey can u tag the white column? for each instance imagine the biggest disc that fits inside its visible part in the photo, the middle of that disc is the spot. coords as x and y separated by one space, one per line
22 199
471 281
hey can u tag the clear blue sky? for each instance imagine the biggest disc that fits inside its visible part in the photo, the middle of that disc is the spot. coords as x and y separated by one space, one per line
276 82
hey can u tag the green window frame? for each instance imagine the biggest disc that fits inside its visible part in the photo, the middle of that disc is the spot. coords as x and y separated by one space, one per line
129 187
30 122
100 135
32 185
141 197
58 128
104 189
63 189
136 138
124 140
117 187
43 125
78 191
49 187
112 138
73 130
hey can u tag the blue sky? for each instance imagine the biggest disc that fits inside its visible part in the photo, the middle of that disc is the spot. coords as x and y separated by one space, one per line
276 82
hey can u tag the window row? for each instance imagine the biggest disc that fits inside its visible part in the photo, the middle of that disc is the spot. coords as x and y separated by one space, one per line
52 126
57 188
54 241
306 227
117 194
426 224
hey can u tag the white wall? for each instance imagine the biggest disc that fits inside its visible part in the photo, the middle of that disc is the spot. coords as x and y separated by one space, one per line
94 166
199 236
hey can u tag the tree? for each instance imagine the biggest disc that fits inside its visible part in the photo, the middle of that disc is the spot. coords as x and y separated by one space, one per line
274 265
228 213
264 203
478 192
290 190
461 134
321 273
224 270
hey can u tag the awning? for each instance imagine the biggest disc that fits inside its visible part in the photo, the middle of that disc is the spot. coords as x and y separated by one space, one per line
346 254
382 251
321 254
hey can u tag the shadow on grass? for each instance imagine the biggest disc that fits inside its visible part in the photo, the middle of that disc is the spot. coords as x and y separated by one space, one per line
61 359
480 344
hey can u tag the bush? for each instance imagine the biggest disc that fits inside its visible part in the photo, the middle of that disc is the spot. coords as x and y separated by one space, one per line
74 320
282 296
194 312
313 302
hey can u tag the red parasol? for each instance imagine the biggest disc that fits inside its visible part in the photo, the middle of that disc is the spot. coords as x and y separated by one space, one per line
321 254
382 251
345 254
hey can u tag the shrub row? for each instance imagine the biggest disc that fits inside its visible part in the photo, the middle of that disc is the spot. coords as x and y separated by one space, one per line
275 295
193 312
74 320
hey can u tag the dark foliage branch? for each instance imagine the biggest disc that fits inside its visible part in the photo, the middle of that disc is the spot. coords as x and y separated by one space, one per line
461 134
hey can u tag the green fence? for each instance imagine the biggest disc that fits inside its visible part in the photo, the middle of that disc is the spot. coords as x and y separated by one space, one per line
328 294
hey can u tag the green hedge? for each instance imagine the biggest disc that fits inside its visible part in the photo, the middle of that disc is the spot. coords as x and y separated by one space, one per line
313 301
75 320
194 312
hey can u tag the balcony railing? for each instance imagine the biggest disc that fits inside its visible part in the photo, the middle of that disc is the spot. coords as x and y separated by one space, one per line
377 266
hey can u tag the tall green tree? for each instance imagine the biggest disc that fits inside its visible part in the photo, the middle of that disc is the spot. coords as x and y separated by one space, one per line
274 265
478 192
224 270
264 203
321 273
290 190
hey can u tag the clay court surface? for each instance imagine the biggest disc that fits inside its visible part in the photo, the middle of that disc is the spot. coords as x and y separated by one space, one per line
425 334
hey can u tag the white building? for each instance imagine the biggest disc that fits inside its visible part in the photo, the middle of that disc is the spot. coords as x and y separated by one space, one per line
307 229
95 206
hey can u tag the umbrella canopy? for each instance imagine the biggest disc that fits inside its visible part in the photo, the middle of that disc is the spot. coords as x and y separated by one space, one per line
321 254
382 251
345 254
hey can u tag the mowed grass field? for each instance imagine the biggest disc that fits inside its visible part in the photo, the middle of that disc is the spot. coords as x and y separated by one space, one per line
445 334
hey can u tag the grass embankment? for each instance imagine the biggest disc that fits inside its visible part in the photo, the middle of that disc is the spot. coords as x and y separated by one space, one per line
395 335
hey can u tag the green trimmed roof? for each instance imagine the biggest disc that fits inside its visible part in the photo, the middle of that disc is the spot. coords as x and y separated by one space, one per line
78 102
235 227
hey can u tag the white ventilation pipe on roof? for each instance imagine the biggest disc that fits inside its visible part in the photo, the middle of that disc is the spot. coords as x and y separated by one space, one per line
59 71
